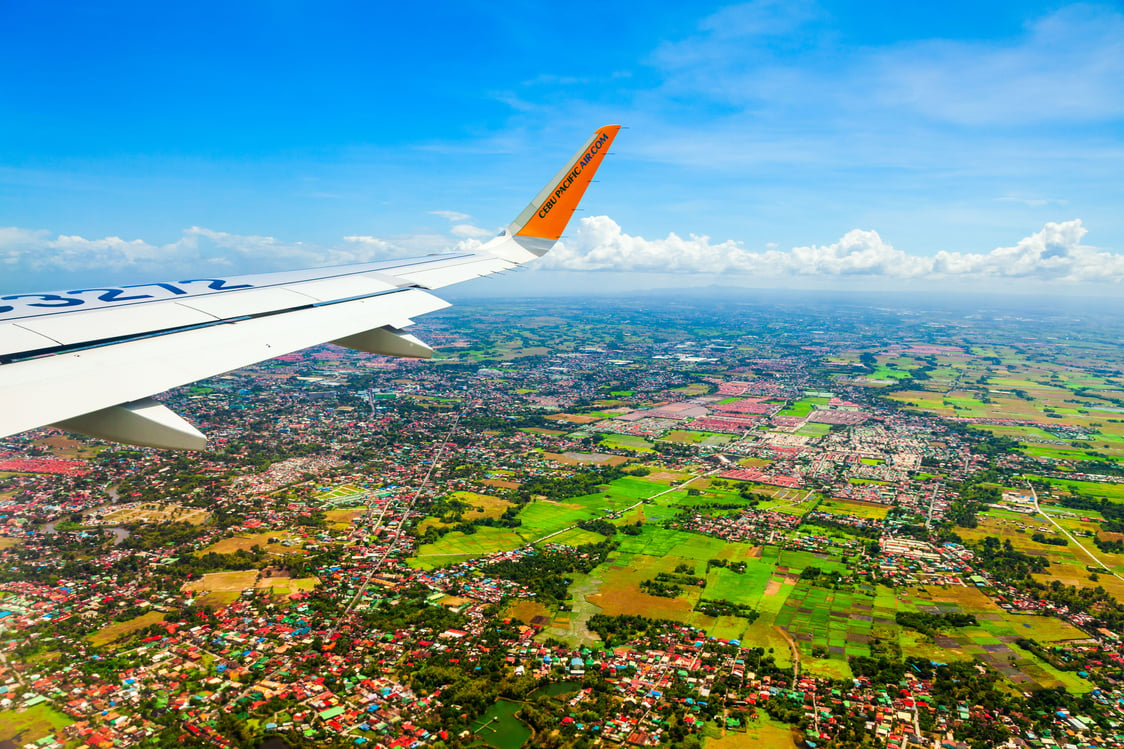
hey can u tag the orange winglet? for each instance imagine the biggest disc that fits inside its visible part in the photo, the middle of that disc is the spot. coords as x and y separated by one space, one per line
547 215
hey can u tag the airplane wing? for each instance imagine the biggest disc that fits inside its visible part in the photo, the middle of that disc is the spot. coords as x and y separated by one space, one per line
88 360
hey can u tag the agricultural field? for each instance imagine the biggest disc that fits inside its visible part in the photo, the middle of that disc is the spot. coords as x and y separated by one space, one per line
803 407
829 626
852 507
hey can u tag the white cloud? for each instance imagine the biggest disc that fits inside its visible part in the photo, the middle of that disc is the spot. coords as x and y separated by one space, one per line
1067 66
462 229
453 216
598 244
1054 253
468 230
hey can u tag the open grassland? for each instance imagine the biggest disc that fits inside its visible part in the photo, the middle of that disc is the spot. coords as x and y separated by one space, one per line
676 435
802 407
627 442
222 581
1067 563
763 733
158 512
851 507
117 630
287 587
7 543
1110 491
247 542
619 591
22 727
340 520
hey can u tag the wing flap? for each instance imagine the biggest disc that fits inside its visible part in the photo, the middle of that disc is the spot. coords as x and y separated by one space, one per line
250 302
13 338
95 325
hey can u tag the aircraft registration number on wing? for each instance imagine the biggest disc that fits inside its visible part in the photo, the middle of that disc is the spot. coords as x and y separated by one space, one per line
101 296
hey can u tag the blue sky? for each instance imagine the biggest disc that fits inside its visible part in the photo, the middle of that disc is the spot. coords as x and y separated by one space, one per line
833 144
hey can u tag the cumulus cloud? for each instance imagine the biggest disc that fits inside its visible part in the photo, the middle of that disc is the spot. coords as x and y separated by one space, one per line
1054 253
598 244
462 229
453 216
37 254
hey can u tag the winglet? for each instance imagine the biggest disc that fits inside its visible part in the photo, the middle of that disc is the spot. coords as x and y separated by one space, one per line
547 215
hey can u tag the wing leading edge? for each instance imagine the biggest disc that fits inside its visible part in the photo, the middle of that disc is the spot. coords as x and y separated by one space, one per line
89 360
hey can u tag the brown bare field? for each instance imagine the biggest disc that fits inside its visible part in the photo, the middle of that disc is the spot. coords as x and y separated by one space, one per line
628 599
231 545
669 476
619 592
453 602
340 520
526 610
117 630
217 598
7 543
501 484
574 418
61 446
223 581
608 460
159 513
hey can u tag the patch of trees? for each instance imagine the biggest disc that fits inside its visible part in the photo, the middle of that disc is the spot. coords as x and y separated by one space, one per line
1005 562
933 624
1042 538
738 567
160 536
660 588
868 531
670 585
566 487
972 497
822 578
722 607
626 628
546 573
598 525
195 566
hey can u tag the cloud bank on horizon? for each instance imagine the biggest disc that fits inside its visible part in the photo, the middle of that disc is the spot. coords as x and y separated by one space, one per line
598 244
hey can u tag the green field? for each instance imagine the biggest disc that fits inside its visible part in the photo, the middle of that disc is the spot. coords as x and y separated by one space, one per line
802 407
26 726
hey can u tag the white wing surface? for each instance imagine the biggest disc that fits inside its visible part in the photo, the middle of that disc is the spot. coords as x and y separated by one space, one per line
89 360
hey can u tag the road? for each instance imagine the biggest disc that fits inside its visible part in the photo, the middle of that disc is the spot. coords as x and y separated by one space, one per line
1076 543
